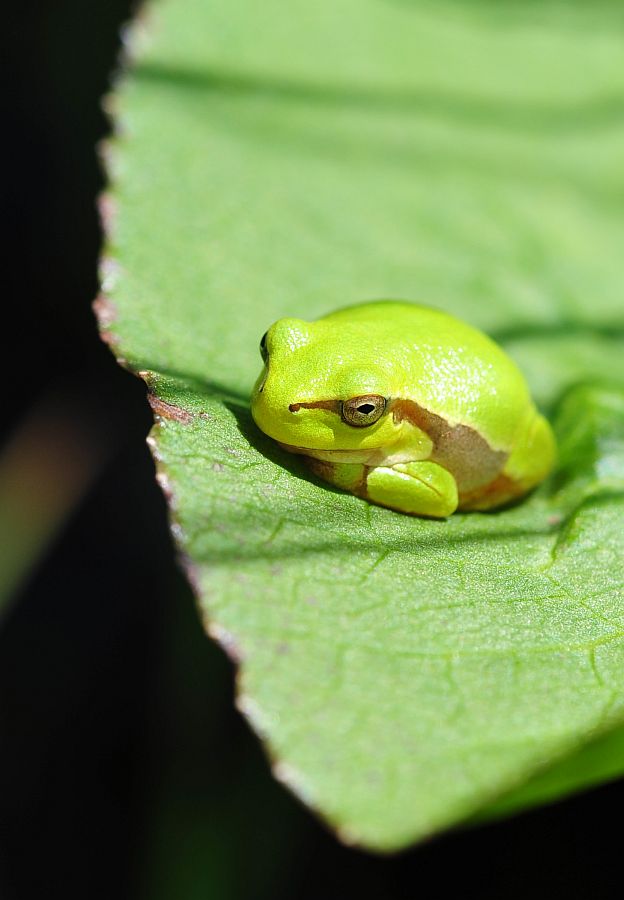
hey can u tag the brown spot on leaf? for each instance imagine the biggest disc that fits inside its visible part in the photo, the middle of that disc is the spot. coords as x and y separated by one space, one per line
111 342
105 311
107 209
222 636
169 410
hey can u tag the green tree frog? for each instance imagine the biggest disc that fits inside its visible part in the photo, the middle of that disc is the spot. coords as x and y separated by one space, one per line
404 406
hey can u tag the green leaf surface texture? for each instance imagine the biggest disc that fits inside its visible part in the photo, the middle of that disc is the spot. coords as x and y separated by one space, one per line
286 159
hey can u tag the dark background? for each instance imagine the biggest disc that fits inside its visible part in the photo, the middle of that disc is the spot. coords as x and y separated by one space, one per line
124 770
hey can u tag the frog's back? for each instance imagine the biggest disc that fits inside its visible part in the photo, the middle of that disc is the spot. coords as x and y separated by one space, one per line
392 316
423 329
444 365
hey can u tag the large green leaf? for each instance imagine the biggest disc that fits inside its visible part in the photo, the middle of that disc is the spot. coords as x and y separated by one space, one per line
288 158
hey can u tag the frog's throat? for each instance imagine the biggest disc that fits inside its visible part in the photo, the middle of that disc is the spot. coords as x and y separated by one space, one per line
458 448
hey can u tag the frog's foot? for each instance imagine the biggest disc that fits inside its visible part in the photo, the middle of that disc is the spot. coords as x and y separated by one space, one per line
416 488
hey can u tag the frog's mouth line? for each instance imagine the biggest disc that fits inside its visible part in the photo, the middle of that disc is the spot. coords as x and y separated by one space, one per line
336 454
371 456
294 448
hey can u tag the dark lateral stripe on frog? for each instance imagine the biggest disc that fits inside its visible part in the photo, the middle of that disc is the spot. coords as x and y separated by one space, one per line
463 452
332 405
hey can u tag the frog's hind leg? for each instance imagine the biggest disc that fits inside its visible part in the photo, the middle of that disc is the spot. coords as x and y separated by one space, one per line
346 476
527 465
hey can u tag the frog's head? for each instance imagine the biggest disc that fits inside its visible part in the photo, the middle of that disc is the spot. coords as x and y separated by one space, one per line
323 387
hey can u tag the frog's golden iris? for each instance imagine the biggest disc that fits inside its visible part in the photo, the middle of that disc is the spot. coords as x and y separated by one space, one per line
405 406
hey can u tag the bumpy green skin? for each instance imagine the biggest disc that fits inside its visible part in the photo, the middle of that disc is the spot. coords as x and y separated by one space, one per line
457 428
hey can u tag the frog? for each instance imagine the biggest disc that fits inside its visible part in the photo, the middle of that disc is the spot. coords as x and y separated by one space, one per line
405 406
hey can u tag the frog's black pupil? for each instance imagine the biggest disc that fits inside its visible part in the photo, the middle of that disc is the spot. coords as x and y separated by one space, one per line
366 408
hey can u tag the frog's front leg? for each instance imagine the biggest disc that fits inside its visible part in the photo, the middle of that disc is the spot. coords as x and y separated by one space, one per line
418 488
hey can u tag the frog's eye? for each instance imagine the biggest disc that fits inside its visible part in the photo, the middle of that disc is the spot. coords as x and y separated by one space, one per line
364 410
264 353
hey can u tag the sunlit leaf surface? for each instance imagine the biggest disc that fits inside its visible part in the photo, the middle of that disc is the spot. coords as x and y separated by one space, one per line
289 158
